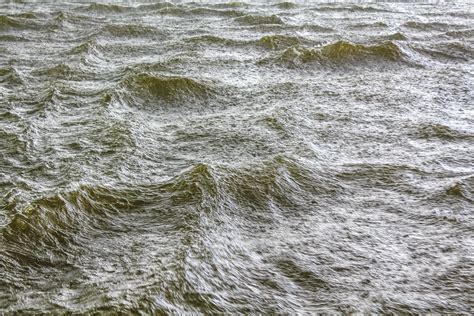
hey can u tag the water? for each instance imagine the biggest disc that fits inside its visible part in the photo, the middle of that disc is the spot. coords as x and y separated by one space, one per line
237 158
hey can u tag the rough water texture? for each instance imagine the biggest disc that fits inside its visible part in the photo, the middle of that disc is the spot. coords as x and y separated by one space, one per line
237 158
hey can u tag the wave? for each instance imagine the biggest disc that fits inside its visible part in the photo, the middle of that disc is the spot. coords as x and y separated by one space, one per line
259 19
61 71
59 221
448 51
349 8
182 11
438 131
316 28
341 51
278 41
286 5
155 6
462 34
428 26
168 89
13 38
369 25
394 177
398 36
9 75
213 12
7 22
26 15
103 8
89 47
211 39
129 30
462 188
234 4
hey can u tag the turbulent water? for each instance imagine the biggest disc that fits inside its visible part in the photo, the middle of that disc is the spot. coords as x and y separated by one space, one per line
237 158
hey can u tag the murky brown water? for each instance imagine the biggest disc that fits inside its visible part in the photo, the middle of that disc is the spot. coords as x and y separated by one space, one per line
237 158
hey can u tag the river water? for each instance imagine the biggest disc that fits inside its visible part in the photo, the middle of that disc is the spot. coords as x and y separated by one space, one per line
218 157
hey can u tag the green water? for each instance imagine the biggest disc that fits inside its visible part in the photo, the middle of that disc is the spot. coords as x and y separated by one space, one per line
212 157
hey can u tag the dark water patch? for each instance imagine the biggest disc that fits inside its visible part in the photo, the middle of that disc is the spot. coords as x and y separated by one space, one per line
276 42
439 131
259 19
338 53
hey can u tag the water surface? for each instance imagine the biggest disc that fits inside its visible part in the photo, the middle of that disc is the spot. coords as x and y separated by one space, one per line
237 158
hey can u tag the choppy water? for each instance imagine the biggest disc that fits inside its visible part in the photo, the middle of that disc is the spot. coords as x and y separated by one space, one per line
237 158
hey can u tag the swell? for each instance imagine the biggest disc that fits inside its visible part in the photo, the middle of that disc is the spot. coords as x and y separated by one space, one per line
338 53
